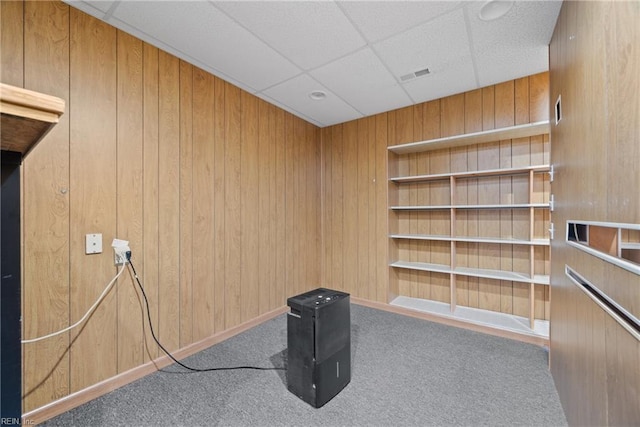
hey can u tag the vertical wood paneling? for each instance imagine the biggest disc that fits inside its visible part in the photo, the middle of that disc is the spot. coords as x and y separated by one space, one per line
326 141
381 209
157 152
314 205
45 188
204 213
12 31
521 101
595 68
488 108
129 190
149 269
296 237
337 264
282 261
290 249
169 200
300 222
623 149
350 212
274 298
266 219
303 220
371 281
249 207
539 97
186 204
362 226
219 207
233 225
92 111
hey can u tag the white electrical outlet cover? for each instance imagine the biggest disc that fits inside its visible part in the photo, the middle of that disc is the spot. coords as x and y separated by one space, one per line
93 243
118 243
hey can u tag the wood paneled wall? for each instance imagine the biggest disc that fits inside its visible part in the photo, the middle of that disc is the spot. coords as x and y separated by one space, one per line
595 68
217 191
355 210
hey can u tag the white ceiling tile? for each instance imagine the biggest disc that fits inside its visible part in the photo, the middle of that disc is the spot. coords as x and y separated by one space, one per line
527 22
510 62
210 36
380 19
308 33
363 81
295 94
435 45
515 45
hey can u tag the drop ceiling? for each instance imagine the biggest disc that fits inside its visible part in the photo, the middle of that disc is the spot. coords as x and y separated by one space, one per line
362 54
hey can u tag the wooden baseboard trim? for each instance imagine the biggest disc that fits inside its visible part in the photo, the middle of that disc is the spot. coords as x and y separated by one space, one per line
76 399
540 341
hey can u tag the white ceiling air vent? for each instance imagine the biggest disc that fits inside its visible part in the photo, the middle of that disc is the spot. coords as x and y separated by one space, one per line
415 74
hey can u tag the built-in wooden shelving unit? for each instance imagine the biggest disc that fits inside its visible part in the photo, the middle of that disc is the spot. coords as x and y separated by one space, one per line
26 117
524 206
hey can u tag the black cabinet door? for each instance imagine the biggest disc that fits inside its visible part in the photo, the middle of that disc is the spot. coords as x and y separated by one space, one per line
10 352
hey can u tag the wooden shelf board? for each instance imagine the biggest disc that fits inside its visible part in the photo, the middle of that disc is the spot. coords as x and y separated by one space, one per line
470 174
501 275
505 206
541 279
519 131
476 316
473 272
422 266
26 117
630 245
421 237
534 242
491 206
420 208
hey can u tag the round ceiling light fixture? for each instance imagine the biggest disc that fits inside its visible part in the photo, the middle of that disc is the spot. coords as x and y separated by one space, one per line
494 9
318 95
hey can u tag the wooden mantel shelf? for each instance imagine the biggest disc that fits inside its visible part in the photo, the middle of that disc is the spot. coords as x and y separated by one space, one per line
26 117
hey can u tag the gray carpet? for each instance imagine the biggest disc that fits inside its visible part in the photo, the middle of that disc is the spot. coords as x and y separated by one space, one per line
405 372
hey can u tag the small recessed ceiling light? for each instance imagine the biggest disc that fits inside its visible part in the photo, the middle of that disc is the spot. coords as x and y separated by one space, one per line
317 95
494 9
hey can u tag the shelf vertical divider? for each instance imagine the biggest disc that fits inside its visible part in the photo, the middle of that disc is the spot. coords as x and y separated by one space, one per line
452 243
532 296
393 226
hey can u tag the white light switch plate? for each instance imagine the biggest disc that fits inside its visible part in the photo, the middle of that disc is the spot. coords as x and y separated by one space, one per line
93 244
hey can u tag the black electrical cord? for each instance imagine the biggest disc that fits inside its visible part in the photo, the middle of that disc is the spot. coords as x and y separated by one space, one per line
153 334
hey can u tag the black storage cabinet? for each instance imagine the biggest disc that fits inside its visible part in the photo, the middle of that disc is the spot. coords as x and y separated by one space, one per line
319 345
